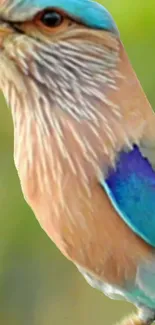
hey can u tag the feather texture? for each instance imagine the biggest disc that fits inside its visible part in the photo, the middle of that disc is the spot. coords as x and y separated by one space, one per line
81 119
134 178
86 11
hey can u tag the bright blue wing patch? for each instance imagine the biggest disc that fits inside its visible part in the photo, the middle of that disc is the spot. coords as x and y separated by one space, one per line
131 189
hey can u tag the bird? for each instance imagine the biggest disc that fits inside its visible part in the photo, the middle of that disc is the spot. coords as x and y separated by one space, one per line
84 142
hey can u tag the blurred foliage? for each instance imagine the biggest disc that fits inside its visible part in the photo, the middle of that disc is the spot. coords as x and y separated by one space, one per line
38 286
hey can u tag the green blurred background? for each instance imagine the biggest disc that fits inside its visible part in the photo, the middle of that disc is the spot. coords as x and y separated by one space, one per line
38 286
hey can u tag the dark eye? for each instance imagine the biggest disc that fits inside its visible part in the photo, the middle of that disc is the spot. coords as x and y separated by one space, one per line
51 18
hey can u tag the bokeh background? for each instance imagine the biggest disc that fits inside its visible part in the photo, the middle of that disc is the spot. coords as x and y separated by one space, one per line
38 286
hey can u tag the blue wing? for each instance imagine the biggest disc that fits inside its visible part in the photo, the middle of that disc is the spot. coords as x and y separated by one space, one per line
131 189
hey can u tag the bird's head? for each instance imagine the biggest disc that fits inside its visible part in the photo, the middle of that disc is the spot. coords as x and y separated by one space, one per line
52 49
58 63
56 58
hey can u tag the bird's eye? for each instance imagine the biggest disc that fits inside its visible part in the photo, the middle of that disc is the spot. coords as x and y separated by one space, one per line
50 18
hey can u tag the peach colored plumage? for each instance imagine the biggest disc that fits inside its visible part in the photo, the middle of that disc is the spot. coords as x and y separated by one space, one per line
83 141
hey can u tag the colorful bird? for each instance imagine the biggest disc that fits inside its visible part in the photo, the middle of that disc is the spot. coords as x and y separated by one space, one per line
84 141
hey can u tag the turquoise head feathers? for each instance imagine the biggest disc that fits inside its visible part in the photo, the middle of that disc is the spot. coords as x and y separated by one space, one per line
88 12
